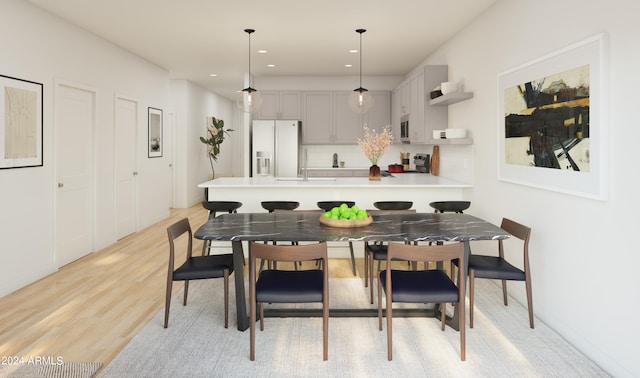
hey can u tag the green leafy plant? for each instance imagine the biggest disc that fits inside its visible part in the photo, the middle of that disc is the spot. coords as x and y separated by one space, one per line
215 136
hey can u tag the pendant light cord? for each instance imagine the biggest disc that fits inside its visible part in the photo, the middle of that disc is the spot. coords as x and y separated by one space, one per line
249 31
360 58
360 31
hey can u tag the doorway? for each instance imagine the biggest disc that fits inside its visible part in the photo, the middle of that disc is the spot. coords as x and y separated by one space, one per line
75 110
125 152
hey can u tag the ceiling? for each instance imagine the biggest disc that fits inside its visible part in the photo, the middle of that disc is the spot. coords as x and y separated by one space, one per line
195 38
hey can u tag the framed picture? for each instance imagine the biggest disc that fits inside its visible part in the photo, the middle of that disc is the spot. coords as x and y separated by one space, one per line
155 132
20 123
552 121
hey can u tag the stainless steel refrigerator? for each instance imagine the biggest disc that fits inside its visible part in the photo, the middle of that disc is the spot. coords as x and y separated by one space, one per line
274 148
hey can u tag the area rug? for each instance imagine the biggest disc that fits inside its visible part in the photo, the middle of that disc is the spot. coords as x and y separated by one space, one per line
196 344
64 370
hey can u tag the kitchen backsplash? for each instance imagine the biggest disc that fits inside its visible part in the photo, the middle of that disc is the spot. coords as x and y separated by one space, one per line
456 162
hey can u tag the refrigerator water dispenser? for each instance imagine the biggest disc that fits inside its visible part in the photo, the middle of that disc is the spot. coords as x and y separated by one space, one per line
264 162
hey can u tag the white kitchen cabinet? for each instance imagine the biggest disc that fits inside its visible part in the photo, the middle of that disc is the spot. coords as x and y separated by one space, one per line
279 105
400 105
396 114
416 106
347 125
327 118
405 97
317 117
425 115
380 115
408 100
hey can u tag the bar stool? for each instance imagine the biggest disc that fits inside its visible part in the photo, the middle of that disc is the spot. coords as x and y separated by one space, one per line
215 207
378 251
393 205
220 206
327 206
271 206
450 206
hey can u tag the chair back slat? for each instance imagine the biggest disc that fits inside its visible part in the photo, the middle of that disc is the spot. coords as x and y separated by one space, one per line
175 231
516 229
424 253
289 253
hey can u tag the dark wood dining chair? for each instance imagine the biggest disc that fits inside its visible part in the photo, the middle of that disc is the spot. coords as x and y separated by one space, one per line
272 206
288 286
377 251
194 268
498 268
421 286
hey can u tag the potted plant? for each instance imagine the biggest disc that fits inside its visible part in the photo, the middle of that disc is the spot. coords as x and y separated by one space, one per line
374 146
215 136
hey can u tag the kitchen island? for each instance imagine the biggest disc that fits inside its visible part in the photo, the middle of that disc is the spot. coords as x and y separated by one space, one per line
421 188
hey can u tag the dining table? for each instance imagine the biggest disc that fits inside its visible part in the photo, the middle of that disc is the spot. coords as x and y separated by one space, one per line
300 226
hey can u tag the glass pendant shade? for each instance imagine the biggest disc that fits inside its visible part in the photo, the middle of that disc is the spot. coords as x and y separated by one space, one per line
360 101
249 100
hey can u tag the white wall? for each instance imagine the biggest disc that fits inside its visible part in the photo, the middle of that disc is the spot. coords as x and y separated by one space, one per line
45 49
583 258
193 105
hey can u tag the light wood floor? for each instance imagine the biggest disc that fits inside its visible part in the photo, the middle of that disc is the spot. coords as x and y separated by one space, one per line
90 309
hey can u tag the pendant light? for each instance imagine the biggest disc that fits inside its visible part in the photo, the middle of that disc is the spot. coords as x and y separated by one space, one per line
249 99
360 101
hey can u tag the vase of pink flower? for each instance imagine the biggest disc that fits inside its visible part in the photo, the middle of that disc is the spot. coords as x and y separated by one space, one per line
374 146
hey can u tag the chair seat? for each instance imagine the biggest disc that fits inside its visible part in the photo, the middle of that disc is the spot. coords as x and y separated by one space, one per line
425 286
494 267
280 286
379 251
203 267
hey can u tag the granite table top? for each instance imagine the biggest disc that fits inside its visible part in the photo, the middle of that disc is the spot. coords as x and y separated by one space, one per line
305 226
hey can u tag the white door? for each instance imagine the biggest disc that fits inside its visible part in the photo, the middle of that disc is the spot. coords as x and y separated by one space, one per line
169 152
126 119
74 212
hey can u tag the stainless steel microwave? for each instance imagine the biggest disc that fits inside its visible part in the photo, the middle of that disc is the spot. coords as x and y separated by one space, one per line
404 129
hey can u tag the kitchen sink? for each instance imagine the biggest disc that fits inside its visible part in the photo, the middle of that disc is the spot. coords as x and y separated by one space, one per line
309 179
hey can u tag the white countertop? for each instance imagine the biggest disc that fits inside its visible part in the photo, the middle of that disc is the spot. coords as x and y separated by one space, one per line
410 180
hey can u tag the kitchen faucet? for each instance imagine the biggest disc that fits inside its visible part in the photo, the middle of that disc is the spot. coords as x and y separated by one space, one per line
305 176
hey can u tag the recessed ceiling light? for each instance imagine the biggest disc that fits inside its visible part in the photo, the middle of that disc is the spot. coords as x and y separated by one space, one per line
348 65
213 75
353 51
262 51
271 65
